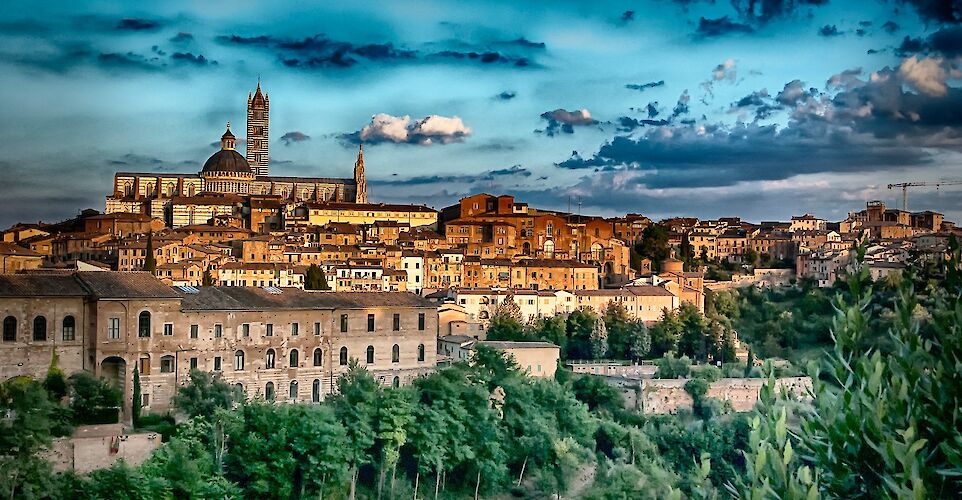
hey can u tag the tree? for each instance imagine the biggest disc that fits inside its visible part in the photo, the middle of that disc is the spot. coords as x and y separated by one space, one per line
135 404
639 340
355 407
579 325
693 340
505 327
93 400
672 367
551 329
395 415
510 309
315 279
318 442
686 252
207 279
599 339
618 325
150 260
654 245
204 393
25 431
55 383
665 333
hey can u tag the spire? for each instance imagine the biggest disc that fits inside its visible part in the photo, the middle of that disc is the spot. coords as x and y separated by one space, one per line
359 179
227 140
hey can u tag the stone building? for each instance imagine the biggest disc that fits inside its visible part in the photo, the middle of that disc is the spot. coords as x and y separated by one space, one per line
283 344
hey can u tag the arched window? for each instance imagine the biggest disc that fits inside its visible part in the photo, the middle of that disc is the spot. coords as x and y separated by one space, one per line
549 248
293 357
69 328
269 391
370 354
343 357
550 228
269 362
239 389
421 352
167 364
318 357
395 354
316 391
238 360
9 329
143 324
293 390
40 328
397 382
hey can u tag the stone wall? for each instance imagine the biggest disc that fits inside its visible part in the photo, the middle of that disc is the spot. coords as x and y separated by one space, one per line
661 396
615 369
94 447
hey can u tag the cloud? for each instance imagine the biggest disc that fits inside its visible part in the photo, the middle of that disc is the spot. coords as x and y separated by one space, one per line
681 107
846 78
433 129
890 27
128 61
627 16
318 51
767 10
294 136
487 176
711 28
937 11
182 38
564 121
758 102
507 95
187 57
135 24
524 43
489 57
945 42
652 109
925 75
828 31
645 86
724 72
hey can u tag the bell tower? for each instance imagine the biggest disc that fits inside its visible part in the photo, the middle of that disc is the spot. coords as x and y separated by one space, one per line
258 114
359 180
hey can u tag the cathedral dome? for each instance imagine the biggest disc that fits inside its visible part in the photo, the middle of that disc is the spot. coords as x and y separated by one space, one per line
227 160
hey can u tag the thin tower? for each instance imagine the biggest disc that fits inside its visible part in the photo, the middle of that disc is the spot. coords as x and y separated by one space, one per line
258 115
359 180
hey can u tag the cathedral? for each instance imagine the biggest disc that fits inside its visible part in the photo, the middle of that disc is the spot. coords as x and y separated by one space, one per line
231 185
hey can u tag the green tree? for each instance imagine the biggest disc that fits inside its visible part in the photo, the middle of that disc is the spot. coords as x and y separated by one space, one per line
355 406
666 333
204 393
55 383
315 279
150 260
551 329
579 325
135 404
25 431
619 329
320 447
207 279
510 309
672 367
505 327
654 245
639 340
93 400
395 416
599 339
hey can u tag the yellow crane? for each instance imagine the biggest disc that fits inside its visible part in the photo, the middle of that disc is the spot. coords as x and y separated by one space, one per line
906 185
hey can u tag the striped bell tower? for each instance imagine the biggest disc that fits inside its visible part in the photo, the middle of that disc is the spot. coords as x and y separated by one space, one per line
359 180
258 113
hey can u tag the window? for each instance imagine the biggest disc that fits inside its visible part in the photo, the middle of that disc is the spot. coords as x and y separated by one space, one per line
269 391
421 352
318 357
293 358
238 360
143 324
40 329
293 390
216 363
317 328
342 359
246 330
168 329
421 321
397 322
269 330
69 328
316 391
370 354
145 400
167 364
193 364
194 329
9 329
395 354
218 331
397 382
343 323
144 365
269 361
370 322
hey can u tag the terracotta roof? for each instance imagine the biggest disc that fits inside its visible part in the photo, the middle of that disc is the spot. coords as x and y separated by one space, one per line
100 284
11 249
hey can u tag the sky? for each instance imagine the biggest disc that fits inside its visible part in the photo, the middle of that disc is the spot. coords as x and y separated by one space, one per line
761 109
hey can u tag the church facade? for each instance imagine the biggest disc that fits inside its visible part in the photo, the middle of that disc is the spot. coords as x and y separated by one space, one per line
229 181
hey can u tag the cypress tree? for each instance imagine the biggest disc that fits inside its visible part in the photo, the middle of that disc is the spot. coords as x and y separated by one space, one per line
135 404
150 262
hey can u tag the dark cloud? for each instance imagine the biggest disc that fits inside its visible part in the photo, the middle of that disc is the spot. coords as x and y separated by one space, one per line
645 86
487 176
937 11
627 16
63 58
652 109
23 27
135 24
524 43
758 102
829 30
190 58
295 136
507 95
564 121
711 28
890 27
489 57
131 159
681 107
128 61
909 46
946 42
318 51
628 124
767 10
182 37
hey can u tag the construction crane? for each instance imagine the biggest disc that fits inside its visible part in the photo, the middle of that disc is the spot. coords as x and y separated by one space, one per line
906 185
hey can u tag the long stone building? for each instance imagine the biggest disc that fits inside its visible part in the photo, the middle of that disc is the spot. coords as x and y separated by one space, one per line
277 343
228 181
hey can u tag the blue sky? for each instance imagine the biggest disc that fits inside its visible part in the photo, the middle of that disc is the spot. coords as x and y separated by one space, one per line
664 107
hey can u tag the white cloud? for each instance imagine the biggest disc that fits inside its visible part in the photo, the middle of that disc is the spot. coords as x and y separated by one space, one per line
925 75
401 129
